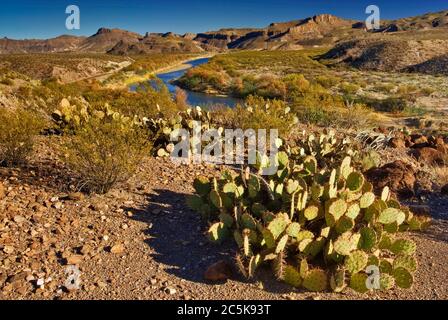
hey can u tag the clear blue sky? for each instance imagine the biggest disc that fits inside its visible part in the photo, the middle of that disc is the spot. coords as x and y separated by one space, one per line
46 18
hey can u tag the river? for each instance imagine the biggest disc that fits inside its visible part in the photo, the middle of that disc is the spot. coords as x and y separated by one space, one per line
194 98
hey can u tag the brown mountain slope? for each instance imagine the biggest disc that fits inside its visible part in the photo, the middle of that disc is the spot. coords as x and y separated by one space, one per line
388 54
320 29
155 43
59 44
437 65
105 39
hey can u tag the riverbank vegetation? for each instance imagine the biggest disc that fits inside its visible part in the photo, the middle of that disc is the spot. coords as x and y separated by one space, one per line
314 87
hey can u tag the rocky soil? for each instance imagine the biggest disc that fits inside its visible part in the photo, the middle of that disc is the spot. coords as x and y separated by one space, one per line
140 241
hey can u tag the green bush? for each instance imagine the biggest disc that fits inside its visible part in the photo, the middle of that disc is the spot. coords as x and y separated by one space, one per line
260 113
394 105
349 88
319 227
18 130
328 81
104 152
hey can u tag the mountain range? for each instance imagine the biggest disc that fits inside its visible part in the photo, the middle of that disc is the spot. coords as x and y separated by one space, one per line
319 30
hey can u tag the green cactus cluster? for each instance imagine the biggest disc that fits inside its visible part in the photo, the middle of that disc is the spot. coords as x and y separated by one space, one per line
162 129
320 226
69 117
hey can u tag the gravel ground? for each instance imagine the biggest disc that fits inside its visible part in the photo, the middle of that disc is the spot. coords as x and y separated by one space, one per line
141 242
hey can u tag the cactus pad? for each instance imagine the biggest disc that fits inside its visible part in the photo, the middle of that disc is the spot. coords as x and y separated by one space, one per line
366 200
368 238
218 232
403 246
311 212
316 280
293 229
387 281
248 222
345 224
195 202
356 261
353 211
216 199
292 277
355 181
202 185
278 225
391 215
358 282
282 244
403 278
337 280
407 262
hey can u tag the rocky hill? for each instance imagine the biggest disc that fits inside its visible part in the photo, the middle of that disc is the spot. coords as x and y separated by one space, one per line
390 54
156 43
319 30
59 44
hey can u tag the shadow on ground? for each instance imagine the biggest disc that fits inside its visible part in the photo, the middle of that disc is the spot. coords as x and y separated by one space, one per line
176 234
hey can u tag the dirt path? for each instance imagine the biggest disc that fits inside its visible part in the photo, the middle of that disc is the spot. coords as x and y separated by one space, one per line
159 248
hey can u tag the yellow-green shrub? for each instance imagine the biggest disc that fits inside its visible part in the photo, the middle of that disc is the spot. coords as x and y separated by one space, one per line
18 130
103 153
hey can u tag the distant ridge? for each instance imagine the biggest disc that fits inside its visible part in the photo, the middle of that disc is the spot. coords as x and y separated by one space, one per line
319 30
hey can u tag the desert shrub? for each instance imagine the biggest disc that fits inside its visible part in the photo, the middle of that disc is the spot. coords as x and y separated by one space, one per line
394 105
104 152
205 77
328 81
391 104
18 130
271 87
261 113
427 91
384 87
313 115
353 116
406 89
319 227
349 88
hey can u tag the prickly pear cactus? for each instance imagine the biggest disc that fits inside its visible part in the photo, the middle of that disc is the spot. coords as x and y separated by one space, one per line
317 223
162 129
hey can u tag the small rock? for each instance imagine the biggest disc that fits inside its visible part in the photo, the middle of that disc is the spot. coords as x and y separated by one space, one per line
86 249
397 143
75 196
2 191
74 259
170 291
117 249
8 249
19 219
58 205
40 282
219 271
